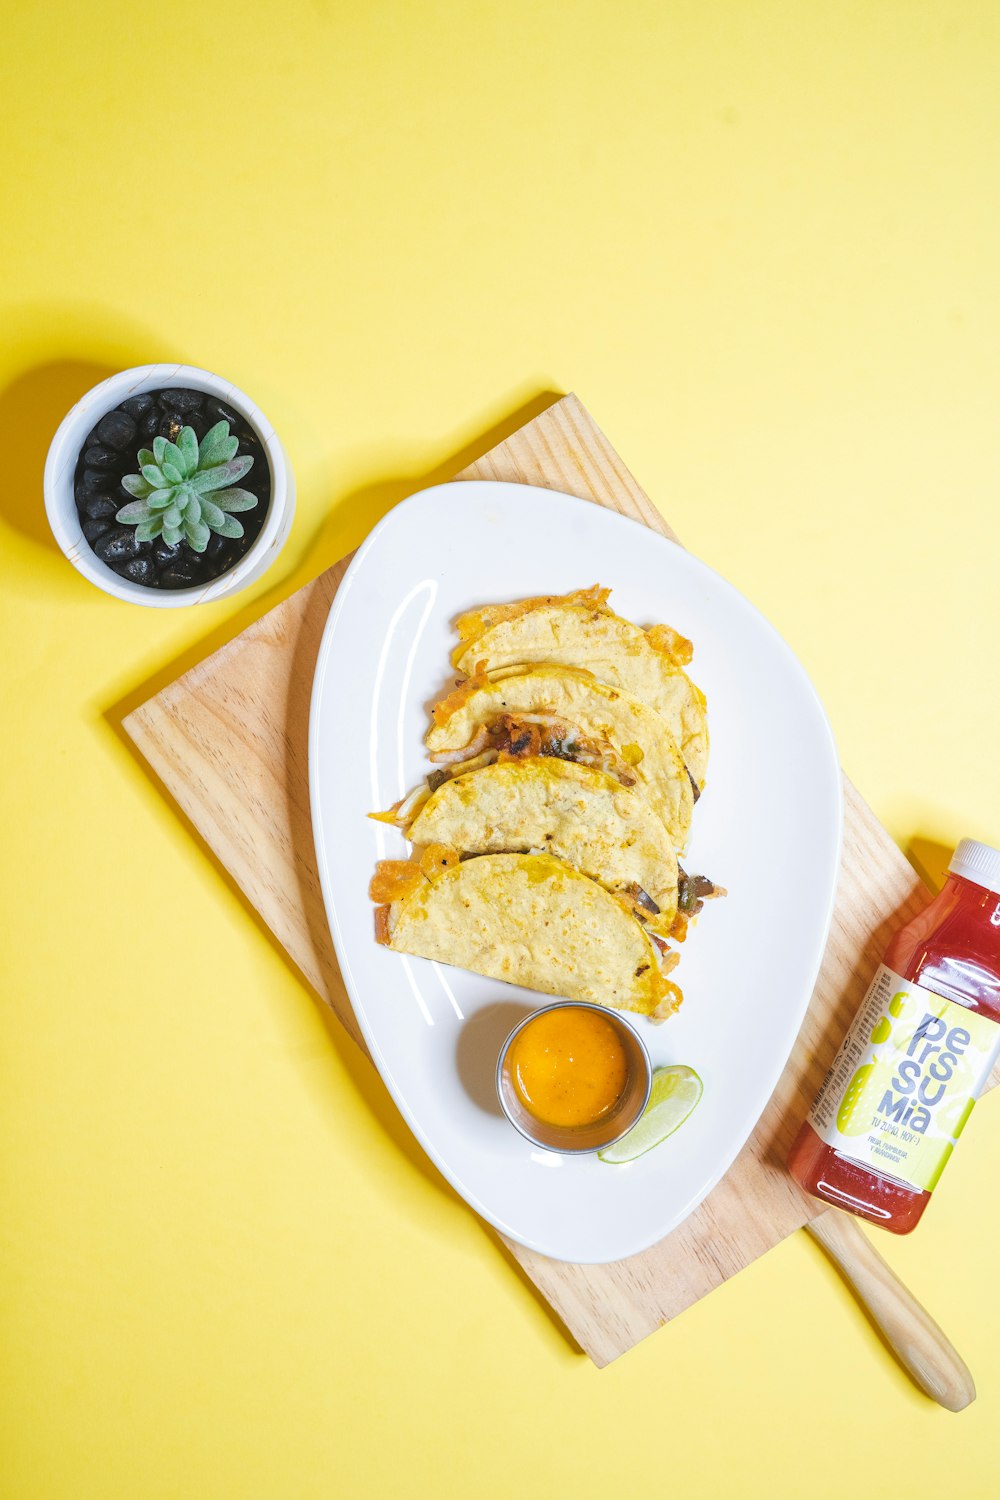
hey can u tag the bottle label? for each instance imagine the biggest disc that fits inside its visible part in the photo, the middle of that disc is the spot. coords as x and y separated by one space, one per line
903 1084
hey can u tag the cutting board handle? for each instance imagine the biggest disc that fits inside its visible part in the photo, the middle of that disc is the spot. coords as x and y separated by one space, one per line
928 1356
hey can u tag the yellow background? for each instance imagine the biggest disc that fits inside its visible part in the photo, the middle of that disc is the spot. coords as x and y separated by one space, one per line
761 241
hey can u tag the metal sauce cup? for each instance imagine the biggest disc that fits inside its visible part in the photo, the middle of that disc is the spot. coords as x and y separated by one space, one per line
579 1139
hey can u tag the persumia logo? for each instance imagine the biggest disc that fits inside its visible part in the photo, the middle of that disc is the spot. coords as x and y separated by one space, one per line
921 1079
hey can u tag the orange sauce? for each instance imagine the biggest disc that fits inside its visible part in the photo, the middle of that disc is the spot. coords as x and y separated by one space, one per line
569 1067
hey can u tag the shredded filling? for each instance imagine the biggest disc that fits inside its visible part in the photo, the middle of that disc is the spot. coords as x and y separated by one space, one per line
513 737
519 736
693 891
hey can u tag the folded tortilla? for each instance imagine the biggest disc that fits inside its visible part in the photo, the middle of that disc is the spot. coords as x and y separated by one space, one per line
580 630
640 738
532 920
580 815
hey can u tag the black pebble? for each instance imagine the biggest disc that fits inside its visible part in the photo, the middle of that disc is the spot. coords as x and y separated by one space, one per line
136 405
149 422
118 545
92 479
218 411
139 570
92 530
170 425
101 458
100 507
178 398
164 554
180 575
117 429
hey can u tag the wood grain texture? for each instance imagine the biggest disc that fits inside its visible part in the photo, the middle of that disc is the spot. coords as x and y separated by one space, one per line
925 1352
229 742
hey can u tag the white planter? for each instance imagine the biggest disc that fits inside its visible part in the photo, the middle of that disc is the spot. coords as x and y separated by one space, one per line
60 504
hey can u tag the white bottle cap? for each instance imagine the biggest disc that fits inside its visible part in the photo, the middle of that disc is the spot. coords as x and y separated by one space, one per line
978 863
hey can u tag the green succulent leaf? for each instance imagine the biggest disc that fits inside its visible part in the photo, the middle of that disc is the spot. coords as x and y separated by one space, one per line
187 490
229 527
133 513
211 513
233 500
216 447
187 443
172 455
222 475
197 534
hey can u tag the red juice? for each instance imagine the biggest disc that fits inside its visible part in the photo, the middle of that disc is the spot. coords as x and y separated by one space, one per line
902 1086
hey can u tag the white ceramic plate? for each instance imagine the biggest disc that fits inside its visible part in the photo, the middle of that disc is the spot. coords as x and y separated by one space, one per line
768 828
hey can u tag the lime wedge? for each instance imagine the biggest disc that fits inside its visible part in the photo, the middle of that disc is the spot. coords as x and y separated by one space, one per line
675 1092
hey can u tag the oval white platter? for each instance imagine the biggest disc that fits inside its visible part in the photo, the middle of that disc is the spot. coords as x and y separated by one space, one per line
768 828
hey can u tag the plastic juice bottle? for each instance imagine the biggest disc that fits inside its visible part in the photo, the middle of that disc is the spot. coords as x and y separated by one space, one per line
922 1046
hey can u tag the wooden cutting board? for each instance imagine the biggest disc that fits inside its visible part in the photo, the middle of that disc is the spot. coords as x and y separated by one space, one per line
228 741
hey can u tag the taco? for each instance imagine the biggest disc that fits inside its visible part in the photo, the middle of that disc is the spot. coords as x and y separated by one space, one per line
580 630
527 919
569 714
582 816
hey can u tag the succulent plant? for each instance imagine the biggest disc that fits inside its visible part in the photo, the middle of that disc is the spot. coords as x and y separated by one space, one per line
186 490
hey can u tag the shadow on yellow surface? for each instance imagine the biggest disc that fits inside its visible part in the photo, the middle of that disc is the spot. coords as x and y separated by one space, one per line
930 859
31 408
